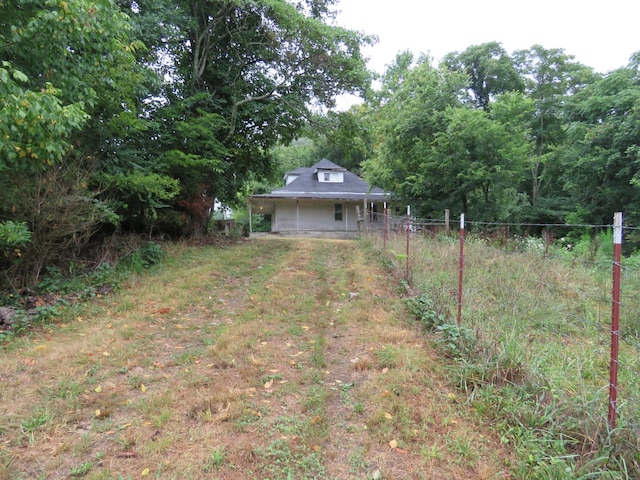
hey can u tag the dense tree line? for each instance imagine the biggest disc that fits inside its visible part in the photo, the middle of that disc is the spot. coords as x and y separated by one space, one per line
134 115
529 137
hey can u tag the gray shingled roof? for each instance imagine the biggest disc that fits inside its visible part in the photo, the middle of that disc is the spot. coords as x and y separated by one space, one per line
308 186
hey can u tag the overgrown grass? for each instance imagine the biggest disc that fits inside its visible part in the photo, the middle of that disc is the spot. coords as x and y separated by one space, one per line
269 359
532 354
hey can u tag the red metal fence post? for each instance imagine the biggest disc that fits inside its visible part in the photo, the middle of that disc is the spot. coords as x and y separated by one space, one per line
615 319
384 228
406 273
461 268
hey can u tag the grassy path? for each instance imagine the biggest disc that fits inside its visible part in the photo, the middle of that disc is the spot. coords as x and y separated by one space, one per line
273 359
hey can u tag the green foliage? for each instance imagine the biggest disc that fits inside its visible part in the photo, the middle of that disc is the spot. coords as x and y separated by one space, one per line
216 459
35 126
144 257
422 308
14 234
455 340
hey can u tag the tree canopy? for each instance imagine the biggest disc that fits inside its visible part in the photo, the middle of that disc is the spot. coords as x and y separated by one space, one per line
137 115
145 111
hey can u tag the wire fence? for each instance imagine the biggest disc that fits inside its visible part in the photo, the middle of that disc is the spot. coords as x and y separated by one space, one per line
566 304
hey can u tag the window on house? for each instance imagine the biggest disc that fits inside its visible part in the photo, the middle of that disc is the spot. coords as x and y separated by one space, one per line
337 212
327 177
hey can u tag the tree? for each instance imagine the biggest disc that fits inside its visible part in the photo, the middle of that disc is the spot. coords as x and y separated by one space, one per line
551 76
601 161
406 127
490 71
63 64
245 77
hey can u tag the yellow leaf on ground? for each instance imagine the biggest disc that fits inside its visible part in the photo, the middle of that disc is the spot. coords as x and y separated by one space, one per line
268 384
393 444
145 472
387 415
98 412
142 387
98 389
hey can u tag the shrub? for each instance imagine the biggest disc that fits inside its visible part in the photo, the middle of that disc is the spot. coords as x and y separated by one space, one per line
144 257
422 308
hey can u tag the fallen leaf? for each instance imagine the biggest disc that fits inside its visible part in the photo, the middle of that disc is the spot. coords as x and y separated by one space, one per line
401 451
98 389
98 412
385 370
315 420
106 354
145 472
387 415
393 444
143 388
268 384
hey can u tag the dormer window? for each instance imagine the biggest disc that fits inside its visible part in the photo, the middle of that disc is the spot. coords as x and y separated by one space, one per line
331 176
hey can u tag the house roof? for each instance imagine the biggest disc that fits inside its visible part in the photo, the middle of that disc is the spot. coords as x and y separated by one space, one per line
306 185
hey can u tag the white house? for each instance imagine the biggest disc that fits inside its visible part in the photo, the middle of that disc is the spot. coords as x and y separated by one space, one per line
325 199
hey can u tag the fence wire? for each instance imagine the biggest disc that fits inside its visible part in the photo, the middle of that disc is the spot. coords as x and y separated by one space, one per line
577 285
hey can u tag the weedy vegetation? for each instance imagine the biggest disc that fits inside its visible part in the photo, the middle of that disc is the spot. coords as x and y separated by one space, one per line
532 352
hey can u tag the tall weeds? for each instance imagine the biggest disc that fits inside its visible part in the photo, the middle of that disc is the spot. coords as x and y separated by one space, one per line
532 350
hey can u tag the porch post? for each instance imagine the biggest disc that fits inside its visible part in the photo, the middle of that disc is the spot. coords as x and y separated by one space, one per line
346 216
297 215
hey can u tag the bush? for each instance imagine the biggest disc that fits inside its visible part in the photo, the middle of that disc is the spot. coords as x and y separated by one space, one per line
422 308
144 257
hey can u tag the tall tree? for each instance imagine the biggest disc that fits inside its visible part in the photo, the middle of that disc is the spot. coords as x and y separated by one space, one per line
551 76
490 71
246 74
406 127
601 160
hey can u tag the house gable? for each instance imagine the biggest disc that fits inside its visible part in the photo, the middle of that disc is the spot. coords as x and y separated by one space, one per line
326 180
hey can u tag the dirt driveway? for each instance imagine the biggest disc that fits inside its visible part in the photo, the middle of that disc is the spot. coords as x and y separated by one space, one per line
270 359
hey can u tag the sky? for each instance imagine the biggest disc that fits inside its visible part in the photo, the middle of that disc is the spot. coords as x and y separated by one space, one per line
600 34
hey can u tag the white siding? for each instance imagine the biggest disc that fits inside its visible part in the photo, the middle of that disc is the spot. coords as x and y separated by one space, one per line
313 215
